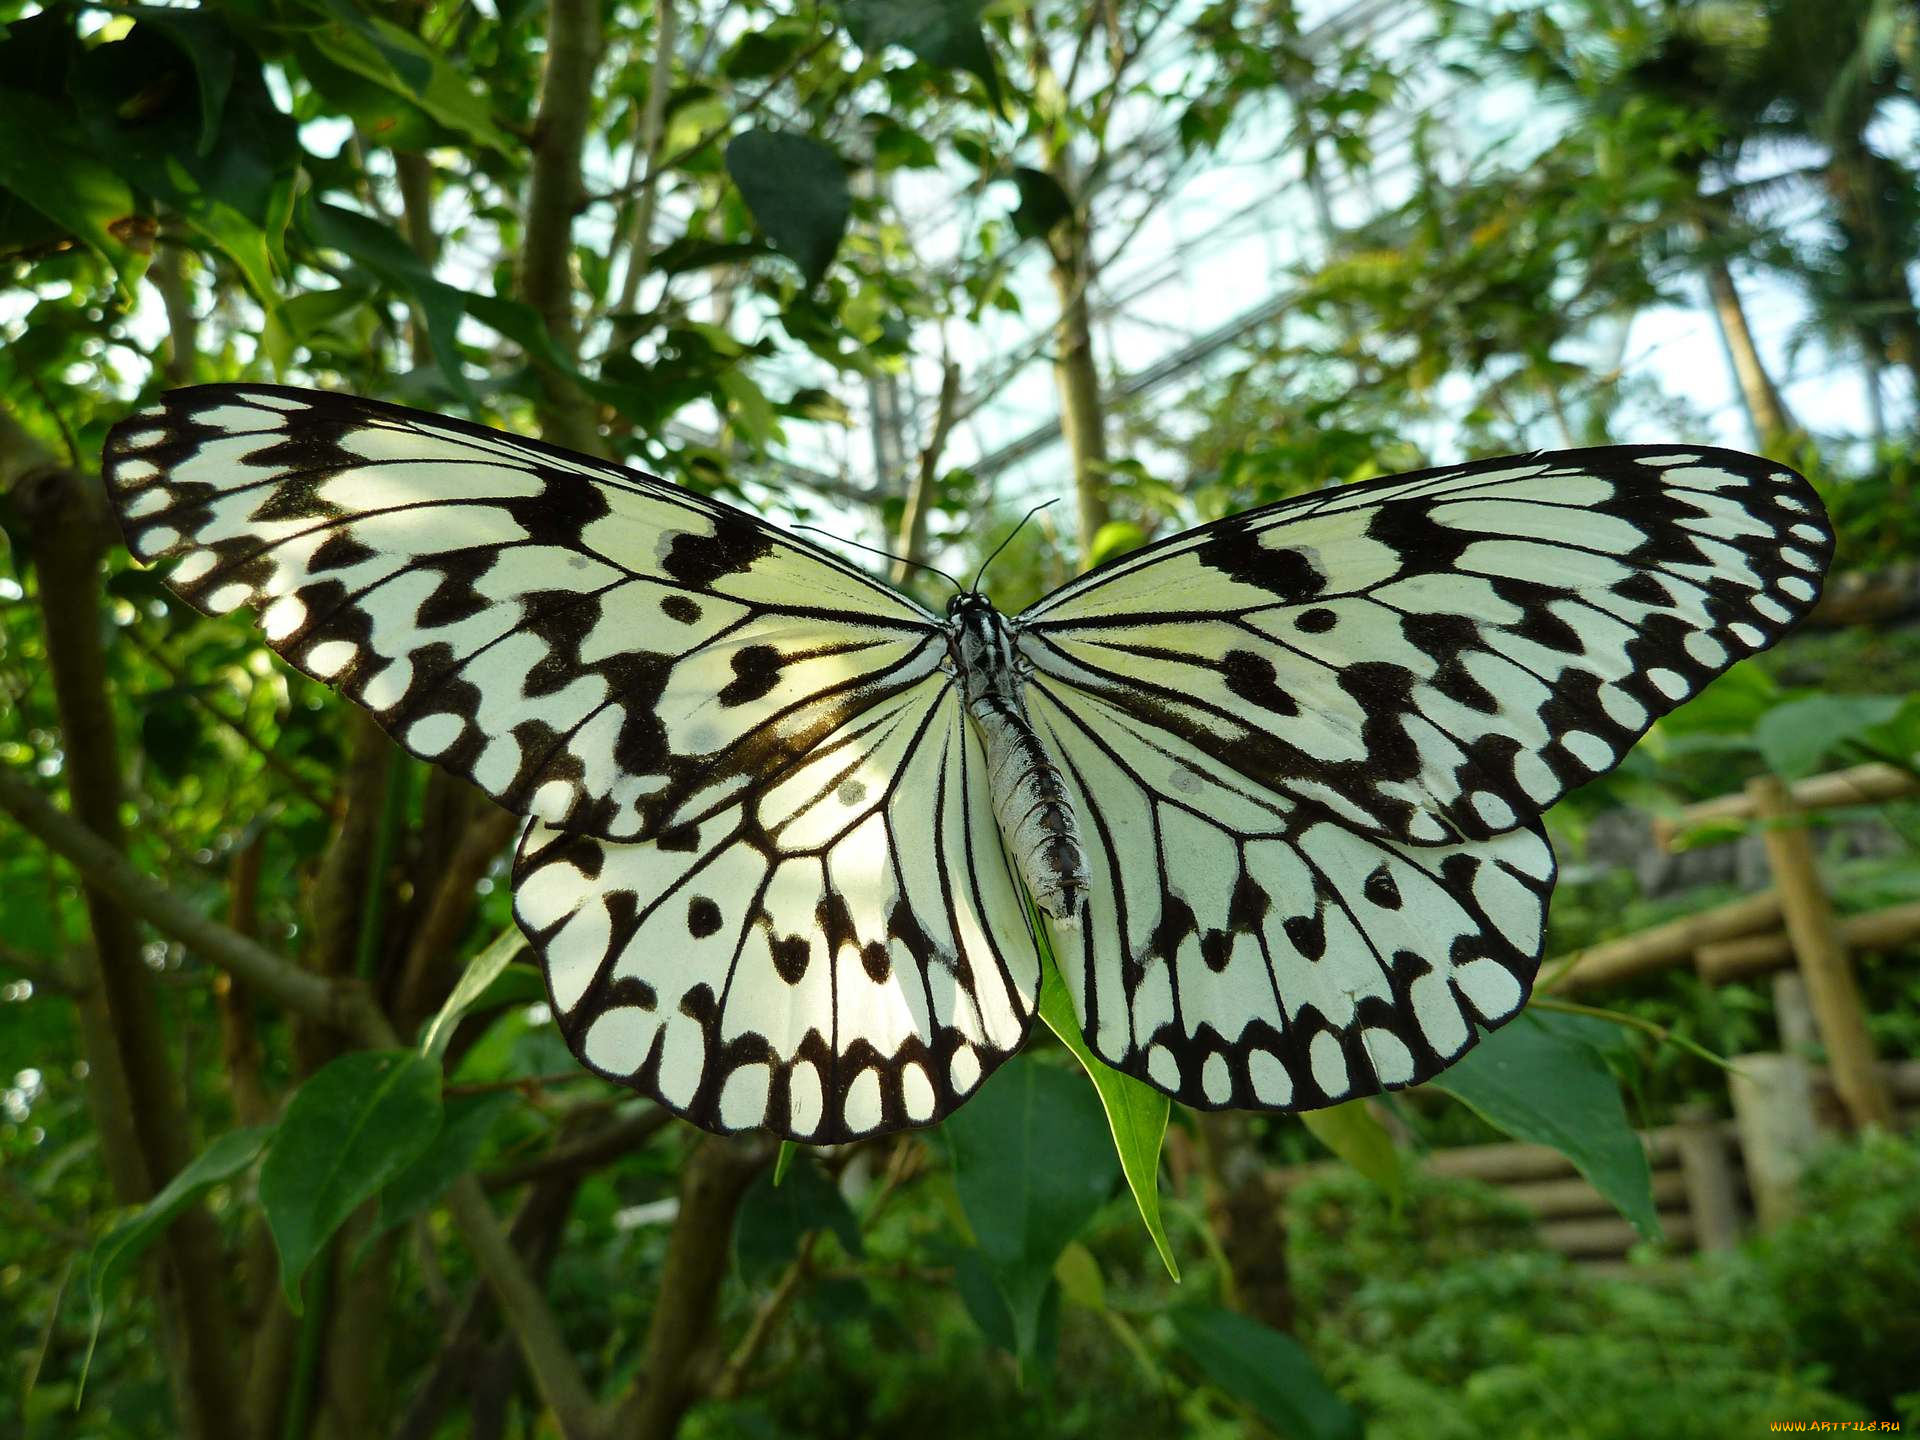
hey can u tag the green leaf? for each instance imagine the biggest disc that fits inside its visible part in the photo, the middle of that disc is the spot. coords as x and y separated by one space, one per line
209 47
393 261
774 1217
1136 1112
351 1129
1352 1131
1116 537
474 981
70 186
131 1238
1541 1080
1043 204
1795 737
944 33
1031 1167
783 1160
1266 1371
468 1122
409 70
797 191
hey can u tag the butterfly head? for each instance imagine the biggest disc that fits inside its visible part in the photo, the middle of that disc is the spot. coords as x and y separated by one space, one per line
968 602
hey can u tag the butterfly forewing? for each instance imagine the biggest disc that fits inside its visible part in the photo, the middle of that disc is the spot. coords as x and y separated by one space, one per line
1441 656
585 643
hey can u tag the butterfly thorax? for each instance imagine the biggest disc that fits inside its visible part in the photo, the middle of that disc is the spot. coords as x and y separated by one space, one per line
1030 800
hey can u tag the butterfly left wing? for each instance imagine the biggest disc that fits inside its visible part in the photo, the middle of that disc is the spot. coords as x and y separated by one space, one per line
1243 949
586 643
840 953
1440 656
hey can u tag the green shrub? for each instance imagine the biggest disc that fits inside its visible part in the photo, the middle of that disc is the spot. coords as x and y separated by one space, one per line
1447 1321
1841 1284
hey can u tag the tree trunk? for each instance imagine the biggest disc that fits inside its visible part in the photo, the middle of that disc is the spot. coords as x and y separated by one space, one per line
1767 412
1082 413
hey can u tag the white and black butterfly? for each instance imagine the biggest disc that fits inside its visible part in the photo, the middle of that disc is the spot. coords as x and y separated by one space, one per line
1275 781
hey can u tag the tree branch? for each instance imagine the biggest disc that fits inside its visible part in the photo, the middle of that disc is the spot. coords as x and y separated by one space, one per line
148 1144
586 1153
712 1185
541 1345
913 519
344 1005
567 413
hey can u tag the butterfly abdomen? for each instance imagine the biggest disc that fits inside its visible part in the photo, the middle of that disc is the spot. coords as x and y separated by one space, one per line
1030 802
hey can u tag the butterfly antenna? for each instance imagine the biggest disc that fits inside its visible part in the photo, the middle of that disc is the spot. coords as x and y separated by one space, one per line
981 572
885 554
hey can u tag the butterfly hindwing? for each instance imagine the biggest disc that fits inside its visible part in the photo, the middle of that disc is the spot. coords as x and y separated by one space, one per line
586 643
1244 949
1441 656
843 952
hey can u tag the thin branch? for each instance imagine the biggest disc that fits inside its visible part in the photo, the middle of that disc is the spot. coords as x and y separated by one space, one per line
732 1381
526 1311
45 975
344 1006
589 1152
638 233
712 1183
913 519
567 413
274 762
707 137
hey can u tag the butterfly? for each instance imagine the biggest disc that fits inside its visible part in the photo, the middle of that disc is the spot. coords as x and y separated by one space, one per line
1274 785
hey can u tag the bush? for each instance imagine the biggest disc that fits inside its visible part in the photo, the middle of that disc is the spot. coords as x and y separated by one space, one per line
1841 1284
1448 1321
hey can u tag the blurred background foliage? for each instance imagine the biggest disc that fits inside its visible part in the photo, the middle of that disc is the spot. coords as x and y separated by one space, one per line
876 266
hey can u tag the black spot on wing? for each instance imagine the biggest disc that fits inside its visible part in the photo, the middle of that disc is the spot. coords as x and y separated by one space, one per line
679 607
1251 676
703 917
756 670
732 548
1236 552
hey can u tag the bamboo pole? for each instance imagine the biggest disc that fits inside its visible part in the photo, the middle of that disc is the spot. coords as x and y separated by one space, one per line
1708 1177
1773 1111
1660 946
1719 961
1822 954
1859 785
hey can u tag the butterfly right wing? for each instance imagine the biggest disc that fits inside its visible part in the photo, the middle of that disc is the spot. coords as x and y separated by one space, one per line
840 952
587 644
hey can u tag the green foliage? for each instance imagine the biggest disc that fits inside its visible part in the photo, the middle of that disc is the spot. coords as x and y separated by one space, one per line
1441 1318
352 1129
1541 1078
774 1219
123 1246
797 191
1136 1112
1032 1162
1267 1371
1839 1285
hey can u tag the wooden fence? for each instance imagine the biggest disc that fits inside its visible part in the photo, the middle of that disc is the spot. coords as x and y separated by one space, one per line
1713 1178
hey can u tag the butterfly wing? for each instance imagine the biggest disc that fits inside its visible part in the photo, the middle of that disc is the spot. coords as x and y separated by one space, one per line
1439 656
1309 746
587 644
1243 949
732 744
841 953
